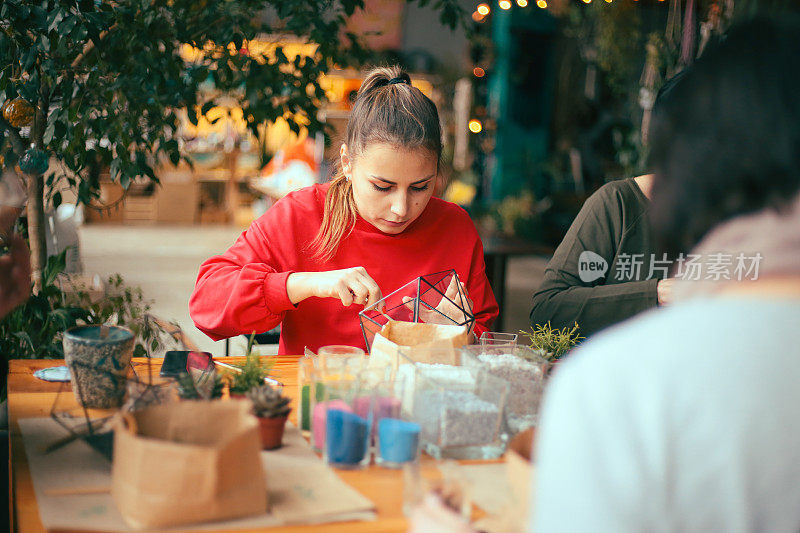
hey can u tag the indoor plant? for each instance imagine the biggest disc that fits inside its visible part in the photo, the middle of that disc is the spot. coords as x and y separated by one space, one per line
553 344
272 409
252 373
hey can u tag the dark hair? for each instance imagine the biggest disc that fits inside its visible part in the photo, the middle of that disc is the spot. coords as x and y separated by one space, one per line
389 110
725 141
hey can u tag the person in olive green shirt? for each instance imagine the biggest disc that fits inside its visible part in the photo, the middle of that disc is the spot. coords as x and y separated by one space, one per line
606 269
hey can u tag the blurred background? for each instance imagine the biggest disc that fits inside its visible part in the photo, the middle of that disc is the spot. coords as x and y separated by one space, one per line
167 131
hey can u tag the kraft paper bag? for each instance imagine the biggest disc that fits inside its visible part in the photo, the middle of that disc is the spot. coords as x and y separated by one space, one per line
419 342
188 462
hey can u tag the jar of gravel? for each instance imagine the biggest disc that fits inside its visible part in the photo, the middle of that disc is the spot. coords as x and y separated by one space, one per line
99 360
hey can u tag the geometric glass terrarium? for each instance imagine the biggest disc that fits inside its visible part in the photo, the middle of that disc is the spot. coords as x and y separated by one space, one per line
433 298
94 425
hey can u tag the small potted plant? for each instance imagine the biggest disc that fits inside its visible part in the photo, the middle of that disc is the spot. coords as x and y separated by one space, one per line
252 374
272 409
553 344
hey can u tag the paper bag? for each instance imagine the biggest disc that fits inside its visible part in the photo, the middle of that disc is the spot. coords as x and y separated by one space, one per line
188 462
420 342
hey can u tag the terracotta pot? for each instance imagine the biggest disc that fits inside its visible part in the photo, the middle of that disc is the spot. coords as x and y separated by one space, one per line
272 431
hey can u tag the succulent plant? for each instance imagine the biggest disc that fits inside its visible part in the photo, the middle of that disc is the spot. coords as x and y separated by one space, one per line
268 402
253 371
553 343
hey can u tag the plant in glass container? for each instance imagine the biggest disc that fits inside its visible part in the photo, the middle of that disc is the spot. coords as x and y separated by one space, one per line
553 344
272 409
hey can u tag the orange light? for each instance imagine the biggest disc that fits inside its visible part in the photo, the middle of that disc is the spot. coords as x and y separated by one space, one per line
522 3
477 17
541 3
483 9
609 1
475 126
587 1
479 72
504 4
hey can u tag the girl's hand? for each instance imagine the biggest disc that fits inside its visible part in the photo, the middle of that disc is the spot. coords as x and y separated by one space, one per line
350 285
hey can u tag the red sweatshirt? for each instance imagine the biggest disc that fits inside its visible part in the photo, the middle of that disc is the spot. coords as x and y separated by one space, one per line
244 289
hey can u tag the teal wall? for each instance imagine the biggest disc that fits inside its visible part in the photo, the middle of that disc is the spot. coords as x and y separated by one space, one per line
520 97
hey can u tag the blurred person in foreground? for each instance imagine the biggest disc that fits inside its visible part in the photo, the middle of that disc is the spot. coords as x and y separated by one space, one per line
685 418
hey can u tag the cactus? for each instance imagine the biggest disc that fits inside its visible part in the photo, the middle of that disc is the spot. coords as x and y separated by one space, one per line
268 402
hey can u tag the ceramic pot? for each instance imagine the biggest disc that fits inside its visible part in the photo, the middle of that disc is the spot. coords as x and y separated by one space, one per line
99 360
271 430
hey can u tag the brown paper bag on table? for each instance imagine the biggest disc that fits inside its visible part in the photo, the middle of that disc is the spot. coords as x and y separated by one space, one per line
188 462
422 343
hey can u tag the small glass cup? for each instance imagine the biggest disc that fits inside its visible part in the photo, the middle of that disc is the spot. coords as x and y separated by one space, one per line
397 436
440 478
332 363
311 390
348 424
336 354
495 338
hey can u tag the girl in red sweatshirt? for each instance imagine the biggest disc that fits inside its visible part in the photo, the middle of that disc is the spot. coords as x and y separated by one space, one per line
321 254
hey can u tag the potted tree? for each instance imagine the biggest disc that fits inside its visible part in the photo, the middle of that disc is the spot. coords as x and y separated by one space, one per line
272 409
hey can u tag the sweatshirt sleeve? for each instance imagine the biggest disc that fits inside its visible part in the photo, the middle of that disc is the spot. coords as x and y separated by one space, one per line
564 299
244 289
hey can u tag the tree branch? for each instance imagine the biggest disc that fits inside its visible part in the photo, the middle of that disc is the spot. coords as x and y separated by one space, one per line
89 46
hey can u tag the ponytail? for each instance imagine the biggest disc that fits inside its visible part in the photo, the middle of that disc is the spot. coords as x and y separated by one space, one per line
338 219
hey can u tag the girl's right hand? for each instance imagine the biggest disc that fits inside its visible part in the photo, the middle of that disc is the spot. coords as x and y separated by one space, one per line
350 285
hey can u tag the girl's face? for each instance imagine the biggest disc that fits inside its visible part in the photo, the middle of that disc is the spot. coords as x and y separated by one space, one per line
391 185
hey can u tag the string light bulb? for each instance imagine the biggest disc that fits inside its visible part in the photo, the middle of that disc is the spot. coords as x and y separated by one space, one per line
475 125
505 5
478 72
587 1
483 9
522 3
541 3
477 17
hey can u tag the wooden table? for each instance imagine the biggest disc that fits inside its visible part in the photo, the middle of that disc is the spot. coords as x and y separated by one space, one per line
30 397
